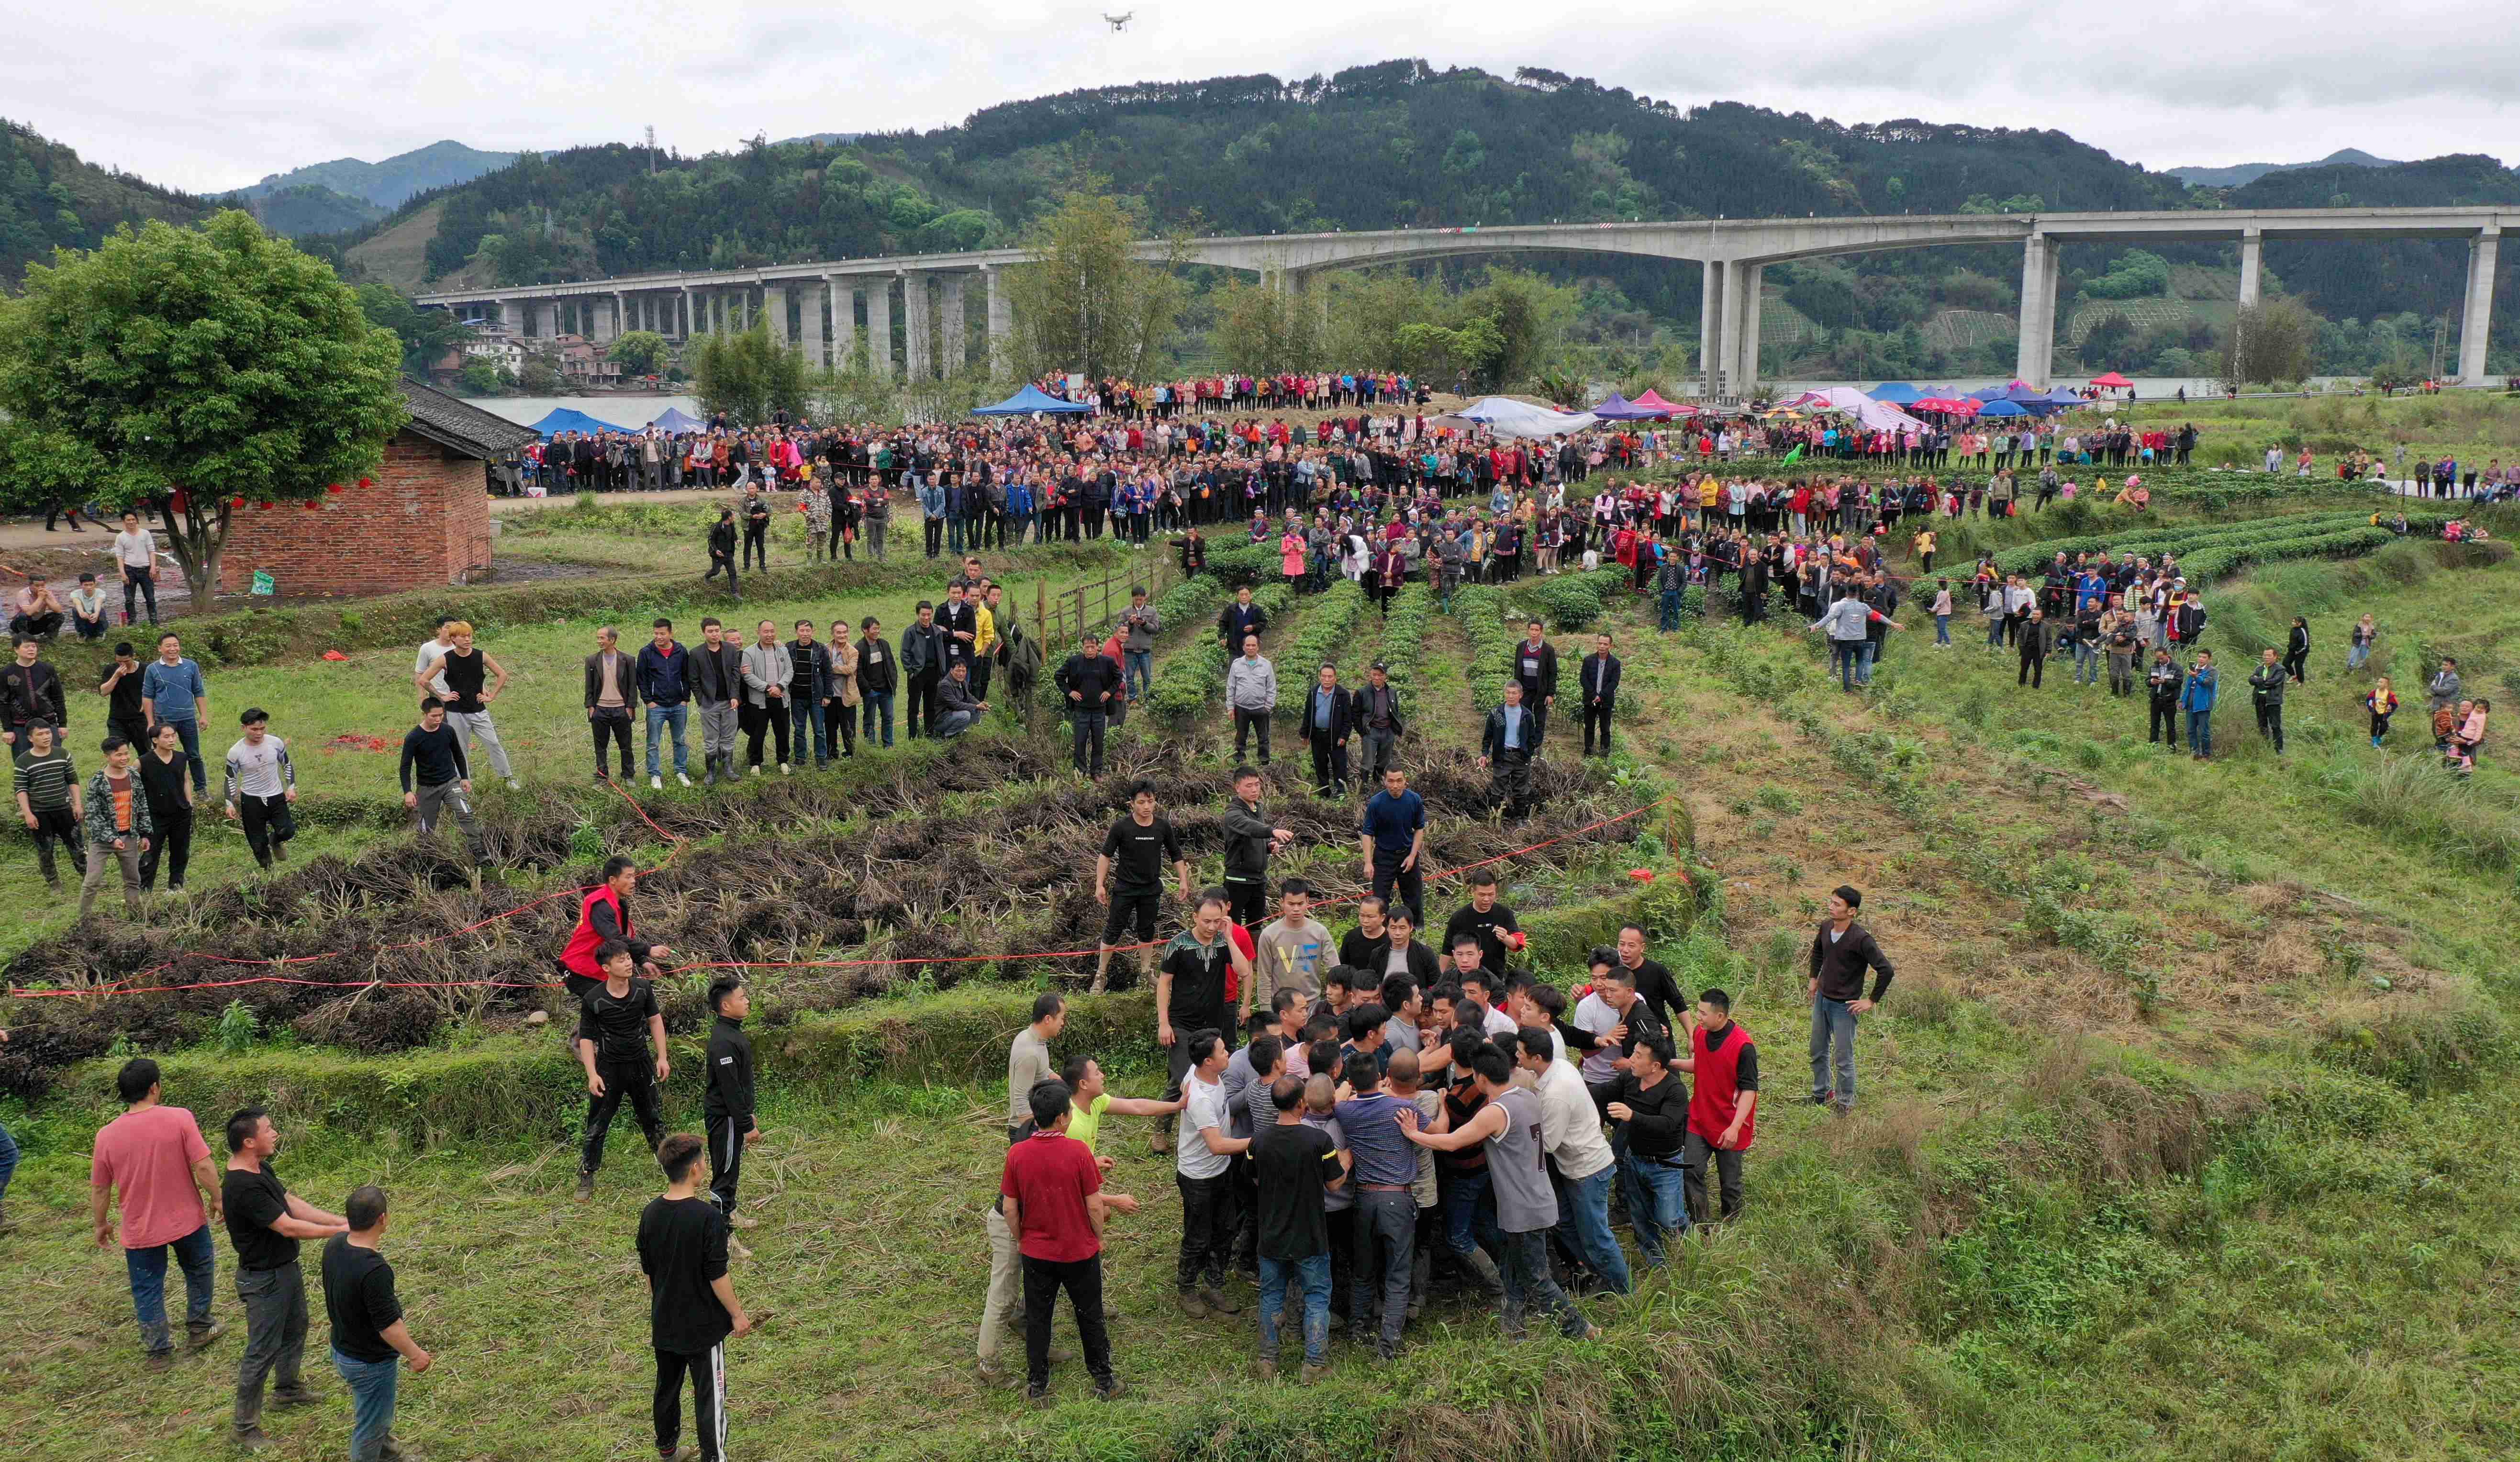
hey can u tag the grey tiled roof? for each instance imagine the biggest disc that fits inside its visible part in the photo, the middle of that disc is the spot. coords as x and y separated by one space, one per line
453 423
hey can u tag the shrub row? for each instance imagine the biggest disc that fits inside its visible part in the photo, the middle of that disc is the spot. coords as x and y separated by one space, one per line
1189 683
1253 563
1329 624
2199 537
1481 608
1570 601
1403 635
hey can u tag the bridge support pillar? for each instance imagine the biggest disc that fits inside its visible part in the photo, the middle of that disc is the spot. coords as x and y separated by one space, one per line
2035 357
550 320
917 352
1710 329
845 322
954 335
2482 254
774 304
879 327
2251 254
1001 320
1741 283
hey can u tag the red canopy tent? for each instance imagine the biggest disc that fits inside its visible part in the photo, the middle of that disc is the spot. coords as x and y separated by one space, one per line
2112 378
1652 401
1961 406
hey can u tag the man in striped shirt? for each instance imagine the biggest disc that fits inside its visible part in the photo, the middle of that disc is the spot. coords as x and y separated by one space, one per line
260 785
44 780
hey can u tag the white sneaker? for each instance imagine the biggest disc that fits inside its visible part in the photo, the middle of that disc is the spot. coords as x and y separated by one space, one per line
679 777
655 784
783 768
514 786
753 771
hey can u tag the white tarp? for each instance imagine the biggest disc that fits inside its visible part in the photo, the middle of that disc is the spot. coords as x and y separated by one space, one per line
1508 417
1876 416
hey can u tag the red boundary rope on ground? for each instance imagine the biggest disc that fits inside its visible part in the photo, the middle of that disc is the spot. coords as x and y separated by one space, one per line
127 987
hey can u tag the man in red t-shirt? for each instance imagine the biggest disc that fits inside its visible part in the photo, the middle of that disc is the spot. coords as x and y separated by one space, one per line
1054 1202
154 1154
1723 1111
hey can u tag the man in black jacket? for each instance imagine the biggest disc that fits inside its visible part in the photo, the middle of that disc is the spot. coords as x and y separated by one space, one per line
1535 670
31 691
1376 710
1511 738
1088 682
811 687
717 685
2163 680
1599 676
613 699
1328 720
2034 650
721 552
922 669
727 1104
1841 951
876 681
1249 842
1239 619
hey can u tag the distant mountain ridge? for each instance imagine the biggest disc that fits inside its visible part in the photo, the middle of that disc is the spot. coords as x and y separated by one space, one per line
2240 175
393 182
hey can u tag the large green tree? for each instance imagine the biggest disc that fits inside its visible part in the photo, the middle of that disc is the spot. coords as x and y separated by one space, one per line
1086 302
192 371
637 351
747 376
426 334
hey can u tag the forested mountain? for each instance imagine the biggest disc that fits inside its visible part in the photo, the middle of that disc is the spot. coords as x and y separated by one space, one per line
2249 172
306 208
1375 147
49 199
389 184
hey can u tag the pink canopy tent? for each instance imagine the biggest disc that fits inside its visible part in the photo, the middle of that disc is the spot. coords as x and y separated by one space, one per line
1956 406
1652 401
2112 378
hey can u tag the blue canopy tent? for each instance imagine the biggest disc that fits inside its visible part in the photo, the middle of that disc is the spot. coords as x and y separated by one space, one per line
563 419
1896 393
676 419
2066 396
1030 399
1618 408
2003 408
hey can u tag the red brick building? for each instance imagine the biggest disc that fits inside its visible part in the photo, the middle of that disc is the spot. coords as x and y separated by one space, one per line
422 520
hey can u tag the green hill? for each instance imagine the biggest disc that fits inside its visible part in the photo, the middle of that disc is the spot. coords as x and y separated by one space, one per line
307 208
391 183
49 199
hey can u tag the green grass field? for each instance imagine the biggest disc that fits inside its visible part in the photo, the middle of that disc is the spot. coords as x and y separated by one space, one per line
2186 1130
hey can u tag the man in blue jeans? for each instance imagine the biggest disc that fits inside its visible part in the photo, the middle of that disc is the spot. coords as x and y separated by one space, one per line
1294 1168
1841 951
664 685
152 1155
2196 698
1571 1127
368 1330
1845 620
1651 1103
1387 1211
172 691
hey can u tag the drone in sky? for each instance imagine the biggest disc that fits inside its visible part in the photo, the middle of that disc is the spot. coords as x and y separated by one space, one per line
1120 21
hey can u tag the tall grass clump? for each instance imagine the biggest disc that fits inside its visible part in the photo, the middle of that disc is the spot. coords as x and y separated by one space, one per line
2417 798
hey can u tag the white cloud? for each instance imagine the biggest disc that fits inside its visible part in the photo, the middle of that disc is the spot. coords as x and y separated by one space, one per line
210 98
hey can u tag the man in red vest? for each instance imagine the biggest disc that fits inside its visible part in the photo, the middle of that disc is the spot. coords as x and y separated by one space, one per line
605 915
1723 1110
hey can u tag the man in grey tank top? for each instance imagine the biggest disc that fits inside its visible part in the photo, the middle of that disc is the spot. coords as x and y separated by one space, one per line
1518 1174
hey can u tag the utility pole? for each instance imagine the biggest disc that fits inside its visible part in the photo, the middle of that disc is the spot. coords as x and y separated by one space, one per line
651 150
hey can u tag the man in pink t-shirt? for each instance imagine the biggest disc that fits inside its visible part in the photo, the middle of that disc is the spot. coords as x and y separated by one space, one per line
155 1156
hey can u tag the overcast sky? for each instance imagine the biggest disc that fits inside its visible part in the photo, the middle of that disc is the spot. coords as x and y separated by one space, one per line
214 97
